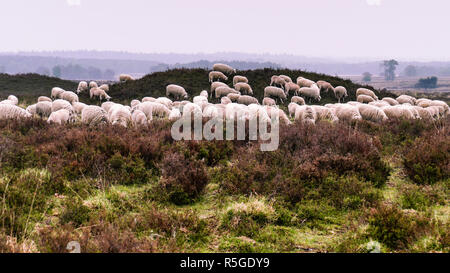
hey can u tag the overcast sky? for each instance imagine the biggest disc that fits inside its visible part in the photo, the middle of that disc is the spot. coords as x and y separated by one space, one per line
403 29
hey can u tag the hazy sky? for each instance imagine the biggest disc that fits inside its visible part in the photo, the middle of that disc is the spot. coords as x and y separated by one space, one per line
404 29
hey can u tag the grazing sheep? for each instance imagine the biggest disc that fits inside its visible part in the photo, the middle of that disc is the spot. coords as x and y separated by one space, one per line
286 78
398 111
312 92
324 113
213 111
104 87
44 108
204 93
372 113
290 86
247 100
325 86
8 111
406 99
225 100
269 102
82 87
391 101
224 91
78 107
56 92
176 91
139 118
292 107
226 69
424 113
100 93
354 103
271 91
213 75
145 99
237 79
125 78
31 109
61 104
165 101
93 84
244 88
215 85
175 114
302 82
305 114
151 109
94 115
119 115
379 103
60 117
190 108
367 92
347 113
14 99
441 104
233 97
281 114
69 96
107 105
277 81
134 103
44 98
199 99
7 102
340 93
298 100
364 99
435 111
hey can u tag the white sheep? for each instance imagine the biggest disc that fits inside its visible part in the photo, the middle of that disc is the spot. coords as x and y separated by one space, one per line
7 102
69 96
104 87
247 100
176 91
31 109
324 113
199 99
298 100
8 111
292 107
225 100
148 99
305 114
281 114
217 75
94 115
269 102
391 101
61 104
44 108
215 85
424 113
237 79
303 82
60 117
82 87
151 109
290 86
165 101
125 78
139 118
56 92
233 97
14 99
175 114
364 99
93 84
286 78
192 108
224 91
406 99
340 93
347 113
372 113
100 93
398 111
325 86
244 88
367 92
312 92
224 68
134 103
379 103
441 104
204 93
78 107
271 91
107 105
277 81
44 98
119 115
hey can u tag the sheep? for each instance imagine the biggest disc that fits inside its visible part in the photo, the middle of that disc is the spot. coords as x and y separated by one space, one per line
281 114
176 91
340 93
14 99
247 100
271 91
44 98
325 86
7 102
31 109
61 104
224 91
165 101
190 108
148 99
244 88
233 97
204 93
134 103
312 92
44 108
78 107
225 100
199 99
424 113
100 93
104 87
298 100
125 78
302 82
119 115
107 105
69 96
215 85
364 99
257 111
391 101
379 103
8 111
93 84
442 104
305 114
212 111
277 81
226 69
354 103
398 111
372 113
238 79
292 107
56 92
269 102
93 115
213 75
290 86
82 87
151 109
367 92
434 111
286 78
406 99
175 114
324 113
139 118
347 113
61 116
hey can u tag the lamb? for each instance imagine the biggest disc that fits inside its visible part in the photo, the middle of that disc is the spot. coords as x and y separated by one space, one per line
78 107
14 99
176 91
215 85
125 78
56 92
325 86
104 87
226 69
247 100
60 104
175 114
347 113
367 92
324 113
93 84
60 117
100 93
290 86
302 82
69 96
372 113
224 91
213 75
31 109
391 101
244 88
233 97
8 111
406 99
225 100
305 114
148 99
139 118
119 115
44 98
364 99
312 92
286 78
204 93
44 108
94 115
165 101
269 102
82 87
298 100
278 81
340 93
238 79
271 91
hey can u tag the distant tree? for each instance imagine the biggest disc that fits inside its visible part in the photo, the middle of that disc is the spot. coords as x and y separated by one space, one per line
410 71
427 83
389 69
57 71
109 74
42 70
367 77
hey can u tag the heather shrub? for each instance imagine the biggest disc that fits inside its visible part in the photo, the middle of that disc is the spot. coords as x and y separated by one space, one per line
74 212
421 197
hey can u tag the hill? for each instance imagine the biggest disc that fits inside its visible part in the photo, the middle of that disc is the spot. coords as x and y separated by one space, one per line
196 80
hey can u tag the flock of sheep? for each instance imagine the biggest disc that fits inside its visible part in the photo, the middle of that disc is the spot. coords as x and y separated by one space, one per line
64 106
